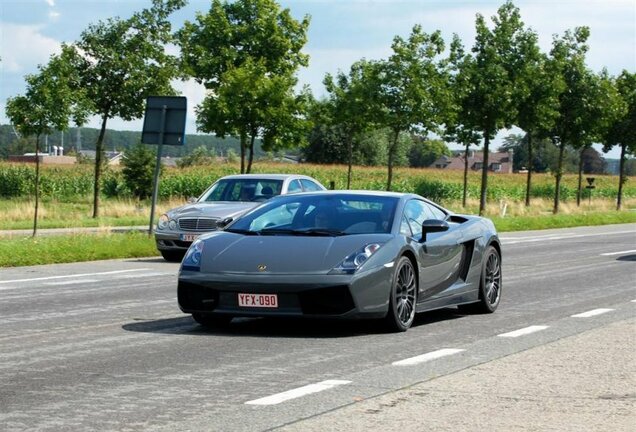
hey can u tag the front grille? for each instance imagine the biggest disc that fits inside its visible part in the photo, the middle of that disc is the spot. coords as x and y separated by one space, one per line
334 300
198 224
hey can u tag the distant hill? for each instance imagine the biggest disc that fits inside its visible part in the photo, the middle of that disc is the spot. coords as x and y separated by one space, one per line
121 140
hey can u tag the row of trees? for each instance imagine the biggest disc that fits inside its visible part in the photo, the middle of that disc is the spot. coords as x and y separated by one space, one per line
247 53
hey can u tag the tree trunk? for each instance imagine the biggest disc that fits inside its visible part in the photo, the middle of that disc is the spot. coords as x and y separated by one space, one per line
465 176
37 184
559 173
621 178
580 187
99 153
250 158
243 145
392 149
529 179
484 175
350 157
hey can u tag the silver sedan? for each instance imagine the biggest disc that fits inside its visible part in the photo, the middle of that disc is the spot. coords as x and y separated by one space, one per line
228 197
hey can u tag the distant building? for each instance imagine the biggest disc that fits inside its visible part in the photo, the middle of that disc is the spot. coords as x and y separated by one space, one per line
497 162
113 157
45 159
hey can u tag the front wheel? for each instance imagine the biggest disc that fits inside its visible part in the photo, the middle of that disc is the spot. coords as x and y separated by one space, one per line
490 284
402 298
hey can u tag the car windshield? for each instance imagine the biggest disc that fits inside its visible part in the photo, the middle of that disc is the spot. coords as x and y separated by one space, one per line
252 189
320 215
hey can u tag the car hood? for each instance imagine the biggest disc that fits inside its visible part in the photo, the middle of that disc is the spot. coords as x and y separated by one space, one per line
219 210
235 253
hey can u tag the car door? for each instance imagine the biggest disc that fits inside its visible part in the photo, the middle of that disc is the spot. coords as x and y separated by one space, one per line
439 255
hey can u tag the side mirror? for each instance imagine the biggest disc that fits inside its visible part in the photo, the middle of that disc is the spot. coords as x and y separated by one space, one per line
433 226
224 222
192 200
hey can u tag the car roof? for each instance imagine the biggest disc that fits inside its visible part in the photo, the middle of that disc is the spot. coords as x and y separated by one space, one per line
361 193
267 176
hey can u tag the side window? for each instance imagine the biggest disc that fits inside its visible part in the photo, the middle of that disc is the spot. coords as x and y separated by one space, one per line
416 213
435 212
294 186
309 186
404 227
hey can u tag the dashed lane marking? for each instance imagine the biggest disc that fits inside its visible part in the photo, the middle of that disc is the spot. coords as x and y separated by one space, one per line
516 240
592 313
427 357
523 331
296 393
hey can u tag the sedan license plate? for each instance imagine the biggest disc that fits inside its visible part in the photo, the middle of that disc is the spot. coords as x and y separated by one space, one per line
258 300
189 237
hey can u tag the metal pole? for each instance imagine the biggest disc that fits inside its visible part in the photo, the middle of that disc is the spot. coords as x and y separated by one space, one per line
155 189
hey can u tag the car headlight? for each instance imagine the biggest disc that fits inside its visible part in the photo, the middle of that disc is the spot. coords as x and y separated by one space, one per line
172 224
163 221
354 261
192 259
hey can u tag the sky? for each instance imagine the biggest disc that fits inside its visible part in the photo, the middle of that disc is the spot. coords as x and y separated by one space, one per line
341 32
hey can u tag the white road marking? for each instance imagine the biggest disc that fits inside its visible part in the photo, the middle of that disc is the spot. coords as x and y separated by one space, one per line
633 301
516 240
592 313
427 357
296 393
74 275
523 331
142 275
618 253
72 282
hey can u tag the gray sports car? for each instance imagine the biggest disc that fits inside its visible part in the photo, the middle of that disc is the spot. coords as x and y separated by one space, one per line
230 196
343 254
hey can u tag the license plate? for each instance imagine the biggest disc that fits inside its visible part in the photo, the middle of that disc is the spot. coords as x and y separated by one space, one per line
258 300
189 237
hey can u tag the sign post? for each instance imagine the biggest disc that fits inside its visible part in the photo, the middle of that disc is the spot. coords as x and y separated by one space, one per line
590 186
164 123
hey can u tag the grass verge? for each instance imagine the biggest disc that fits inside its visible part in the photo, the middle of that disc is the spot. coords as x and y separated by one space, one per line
16 252
527 223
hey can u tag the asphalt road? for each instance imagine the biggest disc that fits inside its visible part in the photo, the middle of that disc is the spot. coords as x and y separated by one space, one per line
103 346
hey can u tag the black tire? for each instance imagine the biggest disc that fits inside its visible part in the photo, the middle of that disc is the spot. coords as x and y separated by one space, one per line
212 321
489 286
172 256
402 298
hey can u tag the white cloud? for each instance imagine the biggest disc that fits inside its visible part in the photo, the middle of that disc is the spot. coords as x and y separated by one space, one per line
54 15
23 47
50 2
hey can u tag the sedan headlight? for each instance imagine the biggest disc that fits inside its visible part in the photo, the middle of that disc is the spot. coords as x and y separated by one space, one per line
354 261
163 221
192 259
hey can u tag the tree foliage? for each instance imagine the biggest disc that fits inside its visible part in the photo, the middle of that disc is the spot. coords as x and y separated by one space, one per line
246 53
120 62
138 169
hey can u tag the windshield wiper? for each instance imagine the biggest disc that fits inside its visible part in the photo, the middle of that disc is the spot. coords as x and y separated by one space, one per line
274 231
242 231
321 232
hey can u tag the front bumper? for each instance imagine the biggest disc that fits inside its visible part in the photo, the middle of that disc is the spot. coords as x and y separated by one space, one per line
364 295
175 240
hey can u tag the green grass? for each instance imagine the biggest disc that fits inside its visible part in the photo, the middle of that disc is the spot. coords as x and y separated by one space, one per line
526 223
16 252
77 223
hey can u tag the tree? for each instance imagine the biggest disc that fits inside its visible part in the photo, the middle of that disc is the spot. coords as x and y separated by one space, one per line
246 54
198 156
538 90
138 170
350 105
48 104
622 130
426 151
457 124
494 71
409 89
120 63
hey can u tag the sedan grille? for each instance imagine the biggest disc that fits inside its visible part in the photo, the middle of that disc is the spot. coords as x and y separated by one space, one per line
198 224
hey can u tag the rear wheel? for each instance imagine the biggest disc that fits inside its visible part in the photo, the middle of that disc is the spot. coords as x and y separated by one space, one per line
207 320
172 256
490 285
402 297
